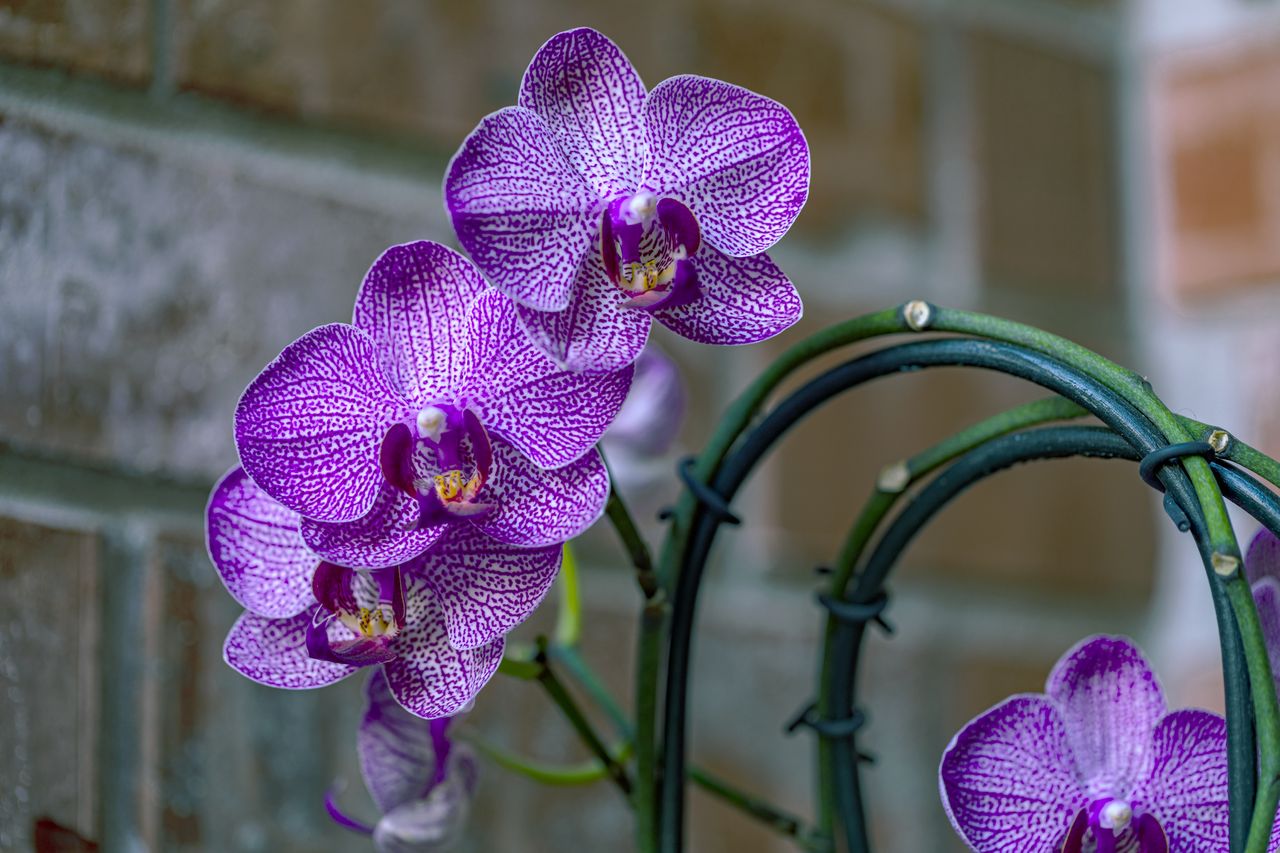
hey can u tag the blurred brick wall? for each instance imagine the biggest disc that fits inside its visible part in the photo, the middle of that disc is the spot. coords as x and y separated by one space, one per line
186 185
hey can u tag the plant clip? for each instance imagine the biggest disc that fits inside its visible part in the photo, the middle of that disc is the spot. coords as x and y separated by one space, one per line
1156 459
829 729
707 496
859 612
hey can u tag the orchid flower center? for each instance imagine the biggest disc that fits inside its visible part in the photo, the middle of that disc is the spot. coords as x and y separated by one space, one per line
370 623
441 459
1110 824
369 605
648 246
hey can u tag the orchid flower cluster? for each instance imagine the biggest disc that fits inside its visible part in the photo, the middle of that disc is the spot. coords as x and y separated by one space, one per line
408 481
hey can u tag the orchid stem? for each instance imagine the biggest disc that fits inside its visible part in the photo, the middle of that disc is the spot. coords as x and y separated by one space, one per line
569 618
583 773
556 690
653 617
883 498
773 817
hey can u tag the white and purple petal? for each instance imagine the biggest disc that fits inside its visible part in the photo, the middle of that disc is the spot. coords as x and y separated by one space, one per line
413 305
1008 778
539 506
1263 557
590 96
1110 703
594 334
274 652
520 209
254 543
743 301
429 677
653 413
553 416
397 750
388 535
309 426
738 160
486 587
1186 790
435 823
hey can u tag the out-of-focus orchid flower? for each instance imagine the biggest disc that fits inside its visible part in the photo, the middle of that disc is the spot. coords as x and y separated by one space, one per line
421 780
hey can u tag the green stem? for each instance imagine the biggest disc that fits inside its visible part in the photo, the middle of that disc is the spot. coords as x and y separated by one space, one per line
1222 539
735 419
517 667
653 617
569 617
893 482
583 773
772 816
555 689
780 821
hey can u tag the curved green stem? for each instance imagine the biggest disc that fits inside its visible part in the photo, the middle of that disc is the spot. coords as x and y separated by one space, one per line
1226 550
583 773
894 480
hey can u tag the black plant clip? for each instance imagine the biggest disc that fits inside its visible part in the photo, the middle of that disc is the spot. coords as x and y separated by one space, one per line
859 612
707 496
829 729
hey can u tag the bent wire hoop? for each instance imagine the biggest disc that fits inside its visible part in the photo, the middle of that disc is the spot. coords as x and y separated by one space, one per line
833 715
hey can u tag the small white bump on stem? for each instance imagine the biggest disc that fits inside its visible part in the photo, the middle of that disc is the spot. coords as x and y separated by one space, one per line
918 315
1219 440
1225 565
893 478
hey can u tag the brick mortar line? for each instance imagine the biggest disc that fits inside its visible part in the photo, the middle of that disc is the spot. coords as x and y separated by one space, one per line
383 174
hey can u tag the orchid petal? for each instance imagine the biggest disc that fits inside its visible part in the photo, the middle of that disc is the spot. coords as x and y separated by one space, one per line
1187 787
486 587
1110 702
413 305
744 300
1263 557
595 334
738 160
433 824
590 96
538 506
390 534
308 428
520 209
274 652
551 415
397 750
1007 779
1266 597
429 677
651 417
254 543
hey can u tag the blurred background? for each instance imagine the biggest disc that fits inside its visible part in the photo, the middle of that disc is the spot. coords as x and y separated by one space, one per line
187 185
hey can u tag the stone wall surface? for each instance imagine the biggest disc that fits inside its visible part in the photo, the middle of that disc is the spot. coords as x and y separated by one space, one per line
187 185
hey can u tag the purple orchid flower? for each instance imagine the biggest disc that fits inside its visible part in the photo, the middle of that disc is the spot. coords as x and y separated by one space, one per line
1094 763
639 440
598 207
433 410
420 780
435 624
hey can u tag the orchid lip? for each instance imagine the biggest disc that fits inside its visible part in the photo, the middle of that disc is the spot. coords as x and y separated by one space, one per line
442 461
373 628
647 245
